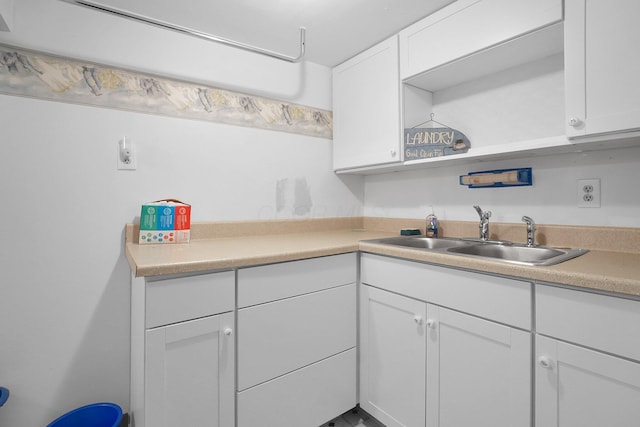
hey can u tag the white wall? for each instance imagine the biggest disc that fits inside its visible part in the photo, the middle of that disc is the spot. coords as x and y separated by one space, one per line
65 29
552 199
518 104
64 292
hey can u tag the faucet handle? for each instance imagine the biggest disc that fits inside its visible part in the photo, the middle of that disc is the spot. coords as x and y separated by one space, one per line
483 215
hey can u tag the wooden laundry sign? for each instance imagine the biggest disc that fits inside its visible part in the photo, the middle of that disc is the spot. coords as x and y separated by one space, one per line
424 143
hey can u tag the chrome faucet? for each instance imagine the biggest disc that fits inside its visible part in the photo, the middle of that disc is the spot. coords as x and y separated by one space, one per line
531 230
484 222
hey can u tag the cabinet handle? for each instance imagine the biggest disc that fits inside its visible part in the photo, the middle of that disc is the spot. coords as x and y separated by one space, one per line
417 319
431 324
545 362
228 331
574 122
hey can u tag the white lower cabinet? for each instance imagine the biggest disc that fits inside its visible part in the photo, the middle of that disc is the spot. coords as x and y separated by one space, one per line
478 371
296 342
577 386
183 351
438 347
190 373
587 366
422 364
392 357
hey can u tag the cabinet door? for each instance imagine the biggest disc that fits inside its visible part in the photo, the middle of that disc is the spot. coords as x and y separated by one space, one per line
478 372
366 108
392 357
576 386
190 373
468 26
602 66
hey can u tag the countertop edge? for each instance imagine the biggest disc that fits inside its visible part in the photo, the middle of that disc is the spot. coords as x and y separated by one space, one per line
578 272
228 263
560 274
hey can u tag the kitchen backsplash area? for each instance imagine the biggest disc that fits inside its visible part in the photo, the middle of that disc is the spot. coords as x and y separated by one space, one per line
552 199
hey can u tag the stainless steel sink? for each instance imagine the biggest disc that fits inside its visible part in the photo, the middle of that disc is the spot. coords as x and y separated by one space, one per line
520 254
496 250
421 242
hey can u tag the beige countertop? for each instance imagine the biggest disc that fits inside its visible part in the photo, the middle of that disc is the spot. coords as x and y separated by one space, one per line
602 270
231 252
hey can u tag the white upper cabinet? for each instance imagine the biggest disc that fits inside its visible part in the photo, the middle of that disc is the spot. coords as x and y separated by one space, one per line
602 66
516 76
469 26
366 108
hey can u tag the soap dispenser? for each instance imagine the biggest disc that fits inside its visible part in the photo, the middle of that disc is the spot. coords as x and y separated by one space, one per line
431 229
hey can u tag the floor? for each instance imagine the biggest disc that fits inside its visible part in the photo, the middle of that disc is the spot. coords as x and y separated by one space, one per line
354 418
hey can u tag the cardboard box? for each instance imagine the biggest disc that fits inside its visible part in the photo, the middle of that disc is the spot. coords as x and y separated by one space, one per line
165 221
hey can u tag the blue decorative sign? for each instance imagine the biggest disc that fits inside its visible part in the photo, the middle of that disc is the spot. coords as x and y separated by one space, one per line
425 143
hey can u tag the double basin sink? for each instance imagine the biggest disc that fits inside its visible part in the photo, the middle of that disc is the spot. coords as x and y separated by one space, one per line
489 249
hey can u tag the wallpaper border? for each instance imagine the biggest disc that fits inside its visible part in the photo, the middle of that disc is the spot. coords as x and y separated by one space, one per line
44 76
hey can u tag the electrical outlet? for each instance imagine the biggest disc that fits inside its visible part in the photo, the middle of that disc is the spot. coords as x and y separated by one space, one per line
127 159
589 193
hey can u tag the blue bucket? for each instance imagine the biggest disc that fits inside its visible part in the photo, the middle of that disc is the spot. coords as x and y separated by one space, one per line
4 395
94 415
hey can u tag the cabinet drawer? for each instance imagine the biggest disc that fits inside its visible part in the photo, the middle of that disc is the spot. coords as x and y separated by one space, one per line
491 297
468 26
310 396
601 322
258 285
282 336
185 298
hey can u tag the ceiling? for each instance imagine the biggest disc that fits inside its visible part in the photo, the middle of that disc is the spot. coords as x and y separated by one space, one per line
335 29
